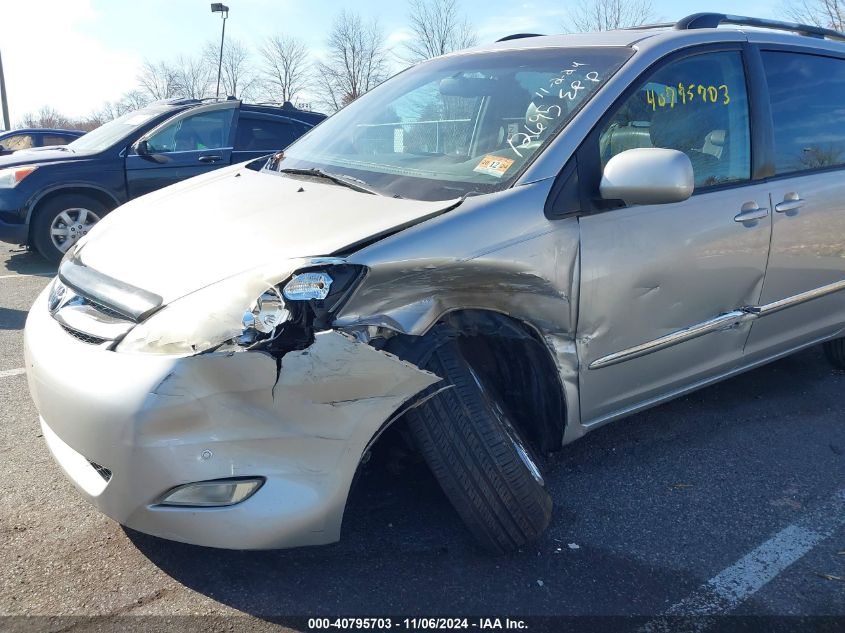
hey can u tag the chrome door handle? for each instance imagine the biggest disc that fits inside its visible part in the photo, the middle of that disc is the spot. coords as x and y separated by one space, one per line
209 158
789 205
751 215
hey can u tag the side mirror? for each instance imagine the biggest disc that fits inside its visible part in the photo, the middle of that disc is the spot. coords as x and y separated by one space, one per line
648 175
142 148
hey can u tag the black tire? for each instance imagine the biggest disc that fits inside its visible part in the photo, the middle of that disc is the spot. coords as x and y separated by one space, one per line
835 352
49 212
478 457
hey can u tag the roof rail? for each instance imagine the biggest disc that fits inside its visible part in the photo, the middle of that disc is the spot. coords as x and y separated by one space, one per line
646 27
192 100
713 20
518 36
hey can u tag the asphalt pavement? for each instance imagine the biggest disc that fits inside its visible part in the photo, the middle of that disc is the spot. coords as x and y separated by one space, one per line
727 501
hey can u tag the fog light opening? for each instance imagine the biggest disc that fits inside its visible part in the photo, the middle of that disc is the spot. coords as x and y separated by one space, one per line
212 494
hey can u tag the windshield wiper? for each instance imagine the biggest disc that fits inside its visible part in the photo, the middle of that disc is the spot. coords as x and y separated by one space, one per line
338 179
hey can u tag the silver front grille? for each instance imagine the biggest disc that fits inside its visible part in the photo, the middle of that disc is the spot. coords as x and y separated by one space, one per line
88 321
105 310
82 336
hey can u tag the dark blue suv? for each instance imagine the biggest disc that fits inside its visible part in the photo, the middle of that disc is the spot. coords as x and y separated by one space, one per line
50 197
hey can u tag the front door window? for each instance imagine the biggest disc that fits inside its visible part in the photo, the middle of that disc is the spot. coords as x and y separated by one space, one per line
205 130
697 105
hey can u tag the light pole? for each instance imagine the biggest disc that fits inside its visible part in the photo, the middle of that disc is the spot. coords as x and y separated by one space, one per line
5 101
223 10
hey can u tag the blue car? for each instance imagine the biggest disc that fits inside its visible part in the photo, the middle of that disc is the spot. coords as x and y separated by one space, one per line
52 196
14 140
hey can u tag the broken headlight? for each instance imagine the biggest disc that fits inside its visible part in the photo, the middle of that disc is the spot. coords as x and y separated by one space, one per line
305 286
267 313
246 311
208 318
315 295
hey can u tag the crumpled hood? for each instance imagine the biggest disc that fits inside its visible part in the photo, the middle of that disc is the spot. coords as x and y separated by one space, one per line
205 229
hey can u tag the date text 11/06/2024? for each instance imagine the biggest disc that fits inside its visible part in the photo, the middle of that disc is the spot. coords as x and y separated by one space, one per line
356 624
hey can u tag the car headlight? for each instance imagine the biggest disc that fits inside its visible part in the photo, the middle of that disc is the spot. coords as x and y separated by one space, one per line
267 313
12 176
245 311
207 318
305 286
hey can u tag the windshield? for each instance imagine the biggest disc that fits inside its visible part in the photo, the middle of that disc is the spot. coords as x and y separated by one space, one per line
110 133
456 125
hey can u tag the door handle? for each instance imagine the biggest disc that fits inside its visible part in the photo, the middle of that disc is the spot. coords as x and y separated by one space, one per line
747 216
791 202
209 158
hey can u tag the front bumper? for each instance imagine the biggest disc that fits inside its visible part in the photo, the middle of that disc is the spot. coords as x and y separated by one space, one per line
13 233
13 226
156 422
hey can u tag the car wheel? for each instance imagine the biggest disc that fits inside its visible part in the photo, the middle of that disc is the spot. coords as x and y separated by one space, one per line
60 223
487 471
835 352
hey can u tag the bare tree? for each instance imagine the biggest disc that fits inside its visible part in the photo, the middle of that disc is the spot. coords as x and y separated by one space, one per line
193 77
159 80
607 15
438 28
48 116
129 102
818 156
286 67
829 14
238 76
356 61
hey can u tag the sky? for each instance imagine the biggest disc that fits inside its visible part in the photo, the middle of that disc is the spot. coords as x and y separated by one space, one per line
75 55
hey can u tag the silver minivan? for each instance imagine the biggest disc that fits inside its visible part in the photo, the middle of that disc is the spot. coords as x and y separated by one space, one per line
500 249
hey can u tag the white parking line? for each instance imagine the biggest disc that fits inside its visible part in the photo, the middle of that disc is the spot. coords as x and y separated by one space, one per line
26 275
749 574
6 373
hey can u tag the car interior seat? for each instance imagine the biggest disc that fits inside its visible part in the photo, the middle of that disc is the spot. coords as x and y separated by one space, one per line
185 140
687 129
630 129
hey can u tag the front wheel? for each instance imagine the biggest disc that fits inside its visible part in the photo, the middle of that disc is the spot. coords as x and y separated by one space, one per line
478 456
61 222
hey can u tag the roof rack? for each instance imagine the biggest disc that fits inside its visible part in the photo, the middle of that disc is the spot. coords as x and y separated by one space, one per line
646 27
518 36
713 20
192 100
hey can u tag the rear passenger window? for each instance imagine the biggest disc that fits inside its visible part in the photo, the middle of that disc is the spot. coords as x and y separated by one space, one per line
697 105
53 139
808 110
265 135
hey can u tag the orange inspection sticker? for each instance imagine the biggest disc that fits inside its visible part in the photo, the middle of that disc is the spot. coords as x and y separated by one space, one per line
493 165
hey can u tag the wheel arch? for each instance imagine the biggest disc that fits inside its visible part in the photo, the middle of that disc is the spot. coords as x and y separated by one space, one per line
103 196
515 355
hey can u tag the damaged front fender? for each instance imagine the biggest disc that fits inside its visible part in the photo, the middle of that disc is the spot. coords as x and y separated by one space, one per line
493 254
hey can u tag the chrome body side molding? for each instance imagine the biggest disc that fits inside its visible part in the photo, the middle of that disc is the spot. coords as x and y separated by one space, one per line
721 322
794 300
